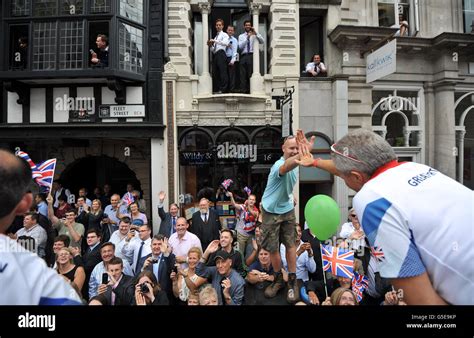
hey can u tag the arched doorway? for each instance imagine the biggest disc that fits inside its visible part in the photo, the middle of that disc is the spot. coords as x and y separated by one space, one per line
95 171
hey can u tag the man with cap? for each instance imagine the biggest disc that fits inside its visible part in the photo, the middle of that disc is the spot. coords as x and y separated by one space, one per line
226 281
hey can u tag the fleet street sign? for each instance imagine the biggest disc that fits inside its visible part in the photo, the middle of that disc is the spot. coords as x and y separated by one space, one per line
126 110
382 62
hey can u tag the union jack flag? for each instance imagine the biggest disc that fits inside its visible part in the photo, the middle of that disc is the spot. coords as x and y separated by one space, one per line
359 284
46 171
128 198
34 171
338 261
226 184
42 173
248 191
377 252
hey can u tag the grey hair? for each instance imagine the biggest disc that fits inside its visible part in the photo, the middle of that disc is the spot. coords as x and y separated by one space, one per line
366 146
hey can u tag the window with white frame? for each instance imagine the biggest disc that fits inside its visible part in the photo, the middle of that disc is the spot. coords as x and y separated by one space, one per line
397 117
389 11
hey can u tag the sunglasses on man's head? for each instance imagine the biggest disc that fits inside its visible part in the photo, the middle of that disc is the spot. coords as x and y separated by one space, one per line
333 149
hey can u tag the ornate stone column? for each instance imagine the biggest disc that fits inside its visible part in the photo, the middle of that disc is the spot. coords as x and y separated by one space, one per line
256 81
205 80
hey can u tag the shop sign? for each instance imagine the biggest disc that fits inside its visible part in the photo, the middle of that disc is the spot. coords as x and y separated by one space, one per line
382 62
195 157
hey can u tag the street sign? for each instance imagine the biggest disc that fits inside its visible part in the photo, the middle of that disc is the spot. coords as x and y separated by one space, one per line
126 110
285 118
382 62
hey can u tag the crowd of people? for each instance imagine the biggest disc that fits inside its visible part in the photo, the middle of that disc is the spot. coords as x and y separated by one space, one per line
103 247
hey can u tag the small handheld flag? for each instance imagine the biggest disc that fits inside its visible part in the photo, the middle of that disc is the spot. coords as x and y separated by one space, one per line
128 198
248 191
359 284
226 184
338 261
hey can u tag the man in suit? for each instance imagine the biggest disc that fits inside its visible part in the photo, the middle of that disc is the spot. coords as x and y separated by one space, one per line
90 257
205 223
160 261
168 219
120 288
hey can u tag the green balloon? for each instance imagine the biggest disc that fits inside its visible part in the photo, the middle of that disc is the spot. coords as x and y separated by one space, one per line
322 216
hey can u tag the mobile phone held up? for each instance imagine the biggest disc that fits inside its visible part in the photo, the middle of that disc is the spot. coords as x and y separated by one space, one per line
105 278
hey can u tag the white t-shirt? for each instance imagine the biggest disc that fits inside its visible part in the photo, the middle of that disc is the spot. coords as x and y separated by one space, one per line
421 220
26 280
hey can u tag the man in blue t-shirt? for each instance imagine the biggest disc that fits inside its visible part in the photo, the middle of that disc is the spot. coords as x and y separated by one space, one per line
279 220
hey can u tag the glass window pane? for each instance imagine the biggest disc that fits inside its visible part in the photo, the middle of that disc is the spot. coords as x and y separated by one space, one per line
386 15
232 136
468 7
321 143
20 7
72 7
130 48
44 46
45 7
71 45
100 6
196 140
132 10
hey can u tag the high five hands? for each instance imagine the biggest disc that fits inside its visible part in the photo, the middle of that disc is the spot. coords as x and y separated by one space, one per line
304 148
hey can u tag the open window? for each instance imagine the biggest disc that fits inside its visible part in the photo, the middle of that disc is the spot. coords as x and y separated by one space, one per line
19 47
311 38
97 28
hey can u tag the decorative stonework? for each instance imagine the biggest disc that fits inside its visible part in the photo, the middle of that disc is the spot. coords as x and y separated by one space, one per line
180 37
170 68
283 35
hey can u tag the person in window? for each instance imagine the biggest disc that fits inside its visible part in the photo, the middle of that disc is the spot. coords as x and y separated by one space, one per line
403 29
232 57
246 41
316 67
218 46
100 59
21 54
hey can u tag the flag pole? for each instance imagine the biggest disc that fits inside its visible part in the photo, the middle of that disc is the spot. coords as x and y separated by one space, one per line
52 177
324 273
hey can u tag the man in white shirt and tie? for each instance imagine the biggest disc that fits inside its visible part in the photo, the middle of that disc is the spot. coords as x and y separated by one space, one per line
218 46
232 57
246 41
139 248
